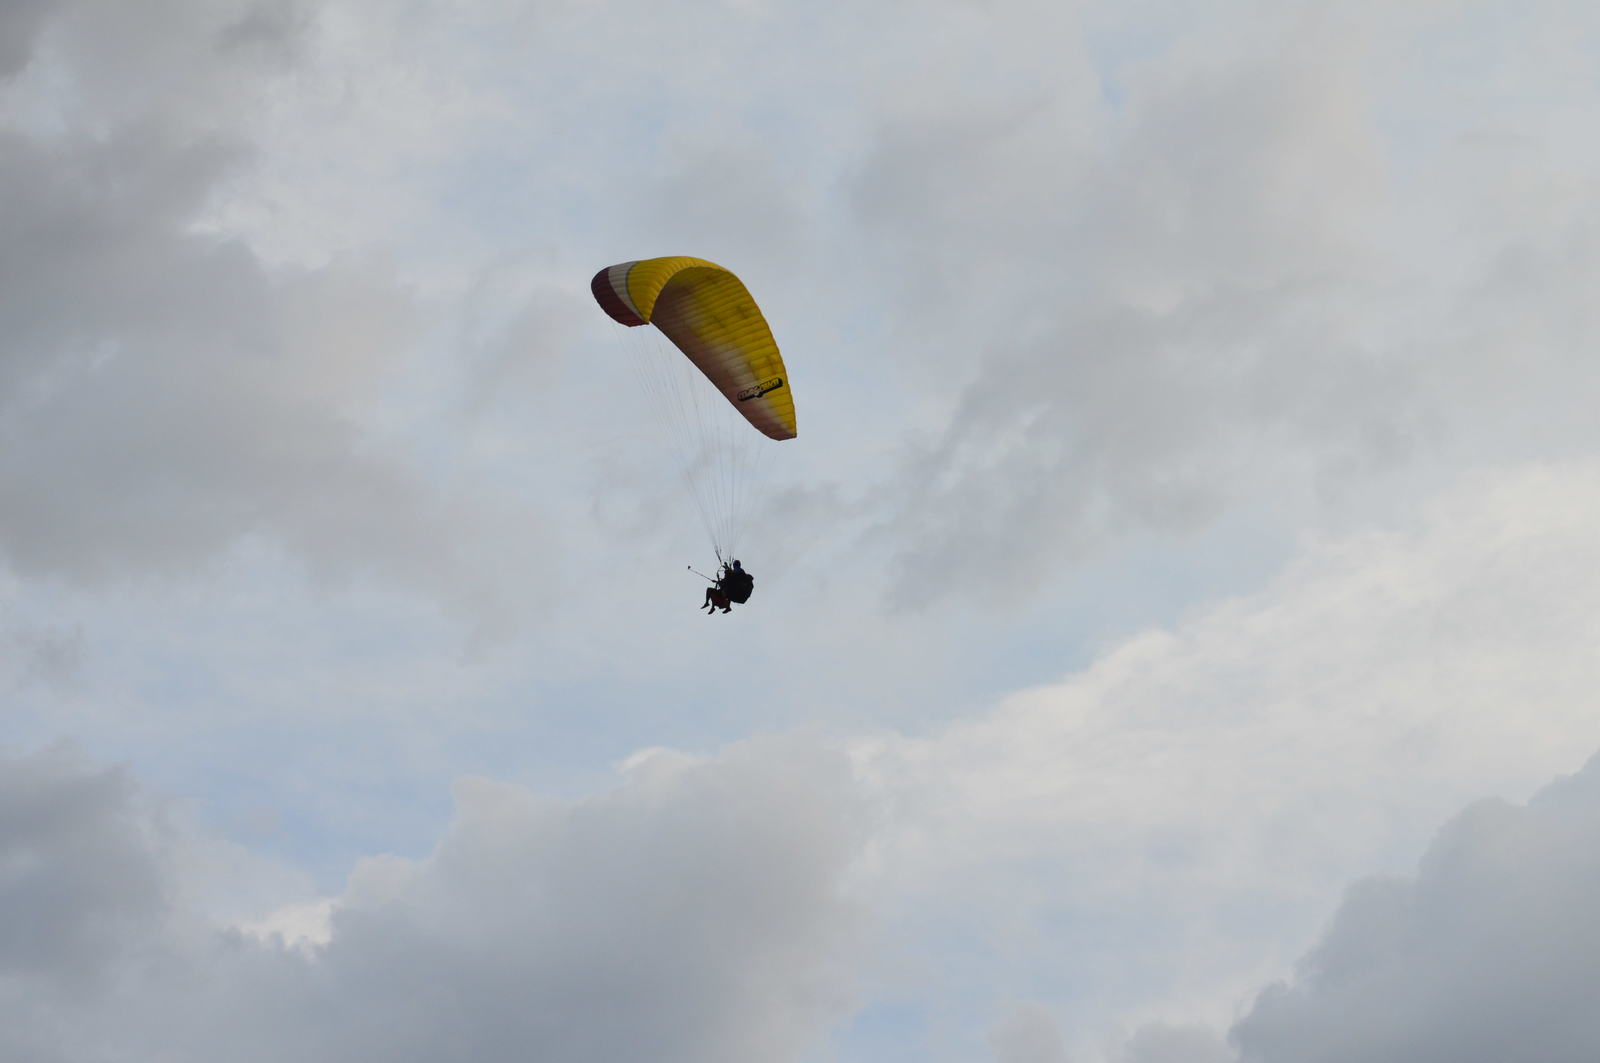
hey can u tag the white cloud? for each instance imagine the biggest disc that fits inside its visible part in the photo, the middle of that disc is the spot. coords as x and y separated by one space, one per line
300 924
1181 812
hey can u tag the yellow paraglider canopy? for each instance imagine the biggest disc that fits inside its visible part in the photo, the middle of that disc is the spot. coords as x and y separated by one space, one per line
708 315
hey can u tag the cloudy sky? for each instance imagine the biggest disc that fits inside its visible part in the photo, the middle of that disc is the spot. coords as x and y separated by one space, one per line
1176 627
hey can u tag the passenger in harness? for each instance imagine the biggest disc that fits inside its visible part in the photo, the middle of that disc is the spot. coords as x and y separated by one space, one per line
733 585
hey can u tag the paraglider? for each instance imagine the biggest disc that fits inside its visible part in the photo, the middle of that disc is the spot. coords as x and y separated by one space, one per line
714 326
732 587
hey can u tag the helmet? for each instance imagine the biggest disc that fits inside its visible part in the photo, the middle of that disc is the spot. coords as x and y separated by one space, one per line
738 566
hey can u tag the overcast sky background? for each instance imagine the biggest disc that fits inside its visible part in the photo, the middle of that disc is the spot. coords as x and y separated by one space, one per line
1176 627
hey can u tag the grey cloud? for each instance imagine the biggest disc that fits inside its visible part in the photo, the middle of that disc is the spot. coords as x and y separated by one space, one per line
1028 1034
695 913
94 250
200 66
1489 953
1231 282
1158 1043
37 653
1177 296
20 22
739 195
273 28
80 875
165 394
